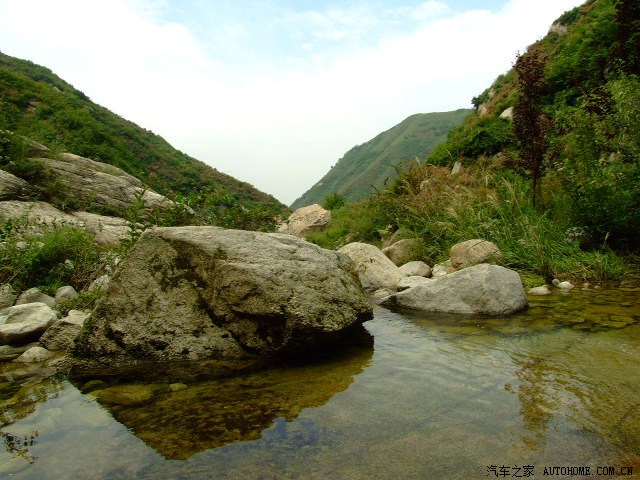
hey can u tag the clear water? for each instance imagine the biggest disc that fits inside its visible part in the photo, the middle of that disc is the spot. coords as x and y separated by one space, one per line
437 397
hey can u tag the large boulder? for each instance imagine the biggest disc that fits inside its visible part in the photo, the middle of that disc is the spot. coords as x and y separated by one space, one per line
481 289
107 230
205 292
14 188
25 323
474 252
104 186
405 250
308 219
38 214
374 268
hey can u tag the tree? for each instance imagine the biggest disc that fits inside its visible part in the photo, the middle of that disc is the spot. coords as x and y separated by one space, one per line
530 125
627 48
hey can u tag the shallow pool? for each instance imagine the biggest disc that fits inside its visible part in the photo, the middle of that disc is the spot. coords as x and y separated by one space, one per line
436 397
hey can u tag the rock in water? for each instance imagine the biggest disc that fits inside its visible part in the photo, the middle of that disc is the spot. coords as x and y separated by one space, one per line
482 289
205 292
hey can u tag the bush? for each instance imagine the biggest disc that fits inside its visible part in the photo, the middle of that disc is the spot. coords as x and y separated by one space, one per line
333 202
60 256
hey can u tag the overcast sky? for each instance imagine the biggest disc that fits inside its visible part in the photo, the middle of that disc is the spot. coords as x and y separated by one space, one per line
275 92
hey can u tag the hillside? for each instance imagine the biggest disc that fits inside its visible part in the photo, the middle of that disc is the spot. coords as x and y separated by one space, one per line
36 103
576 116
550 161
372 163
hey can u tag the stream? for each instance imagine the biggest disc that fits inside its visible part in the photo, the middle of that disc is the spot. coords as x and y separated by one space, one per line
438 396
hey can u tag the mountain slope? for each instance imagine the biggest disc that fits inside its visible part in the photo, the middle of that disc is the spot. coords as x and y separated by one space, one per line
36 103
372 163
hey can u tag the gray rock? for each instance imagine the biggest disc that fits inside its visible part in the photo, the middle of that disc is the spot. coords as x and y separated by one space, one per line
397 235
507 113
308 219
416 268
457 168
482 289
474 252
405 250
14 188
62 334
39 214
7 296
412 281
374 268
206 292
66 293
562 285
25 323
441 269
102 185
101 283
34 355
107 230
541 290
10 352
34 295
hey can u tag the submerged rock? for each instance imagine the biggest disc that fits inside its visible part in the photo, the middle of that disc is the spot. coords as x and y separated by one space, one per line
205 292
541 290
483 289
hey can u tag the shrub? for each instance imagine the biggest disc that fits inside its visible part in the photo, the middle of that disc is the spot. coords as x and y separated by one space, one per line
60 256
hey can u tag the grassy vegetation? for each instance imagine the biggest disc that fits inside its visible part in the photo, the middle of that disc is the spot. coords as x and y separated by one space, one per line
586 222
486 200
371 165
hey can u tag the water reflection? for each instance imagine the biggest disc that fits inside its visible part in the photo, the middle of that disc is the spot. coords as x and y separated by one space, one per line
179 420
440 397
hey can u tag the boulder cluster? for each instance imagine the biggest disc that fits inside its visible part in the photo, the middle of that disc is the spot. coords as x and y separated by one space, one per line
31 327
469 282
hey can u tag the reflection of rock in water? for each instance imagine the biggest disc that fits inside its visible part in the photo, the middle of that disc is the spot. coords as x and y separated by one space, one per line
213 413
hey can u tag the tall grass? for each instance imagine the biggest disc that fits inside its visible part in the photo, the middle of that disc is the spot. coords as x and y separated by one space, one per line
483 201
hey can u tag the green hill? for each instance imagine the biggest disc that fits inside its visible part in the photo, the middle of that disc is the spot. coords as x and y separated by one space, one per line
372 163
550 161
576 118
37 104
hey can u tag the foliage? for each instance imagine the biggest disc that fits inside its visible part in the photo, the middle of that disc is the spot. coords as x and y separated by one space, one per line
485 200
479 136
334 201
530 125
59 256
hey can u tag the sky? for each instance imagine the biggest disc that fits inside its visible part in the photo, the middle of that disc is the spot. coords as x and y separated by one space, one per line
275 92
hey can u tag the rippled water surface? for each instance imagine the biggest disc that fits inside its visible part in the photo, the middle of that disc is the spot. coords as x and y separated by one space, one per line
436 397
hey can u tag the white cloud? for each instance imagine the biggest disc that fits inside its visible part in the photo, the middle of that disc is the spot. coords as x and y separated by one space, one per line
281 125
